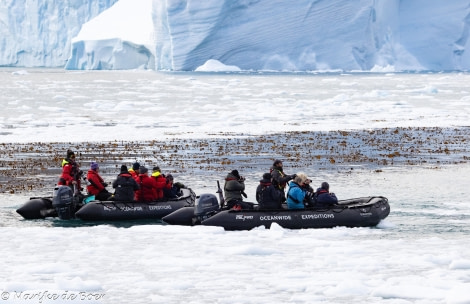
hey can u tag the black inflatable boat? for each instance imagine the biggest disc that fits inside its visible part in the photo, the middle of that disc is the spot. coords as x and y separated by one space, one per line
355 212
116 211
65 205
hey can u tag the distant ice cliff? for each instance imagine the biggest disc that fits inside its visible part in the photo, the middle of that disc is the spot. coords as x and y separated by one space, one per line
302 35
38 33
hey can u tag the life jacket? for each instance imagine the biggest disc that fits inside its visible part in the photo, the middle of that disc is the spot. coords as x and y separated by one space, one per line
96 182
69 172
147 191
161 183
134 175
281 185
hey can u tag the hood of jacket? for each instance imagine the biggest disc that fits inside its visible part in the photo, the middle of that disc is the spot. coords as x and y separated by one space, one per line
230 176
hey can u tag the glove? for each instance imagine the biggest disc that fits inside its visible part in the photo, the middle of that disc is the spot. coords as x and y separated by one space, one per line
244 194
293 176
105 184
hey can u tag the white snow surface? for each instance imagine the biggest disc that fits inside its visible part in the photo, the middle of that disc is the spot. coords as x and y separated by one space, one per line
269 35
172 264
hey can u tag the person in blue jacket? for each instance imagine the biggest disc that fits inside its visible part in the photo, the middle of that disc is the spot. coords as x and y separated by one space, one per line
297 192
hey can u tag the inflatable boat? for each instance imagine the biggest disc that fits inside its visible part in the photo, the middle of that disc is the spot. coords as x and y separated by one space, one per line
117 211
65 205
355 212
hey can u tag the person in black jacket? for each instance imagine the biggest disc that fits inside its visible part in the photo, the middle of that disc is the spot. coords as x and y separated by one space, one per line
279 178
267 195
309 199
125 186
234 189
172 190
323 196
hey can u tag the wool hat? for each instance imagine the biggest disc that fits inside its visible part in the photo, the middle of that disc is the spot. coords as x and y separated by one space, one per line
143 170
135 166
325 186
267 176
70 153
277 162
124 169
94 166
156 168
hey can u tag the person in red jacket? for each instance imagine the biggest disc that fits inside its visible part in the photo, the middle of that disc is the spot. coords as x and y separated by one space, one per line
134 171
96 185
148 187
71 172
161 182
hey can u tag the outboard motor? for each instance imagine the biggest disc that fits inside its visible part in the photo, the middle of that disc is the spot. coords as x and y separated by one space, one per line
205 207
64 202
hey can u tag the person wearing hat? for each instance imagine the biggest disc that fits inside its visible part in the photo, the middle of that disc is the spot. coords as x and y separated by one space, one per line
279 178
268 196
134 171
323 196
234 188
171 189
125 186
96 185
71 172
160 180
296 193
309 200
147 186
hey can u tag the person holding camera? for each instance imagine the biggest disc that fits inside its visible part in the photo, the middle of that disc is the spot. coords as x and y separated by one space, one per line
96 185
297 191
309 200
279 178
71 173
234 189
172 190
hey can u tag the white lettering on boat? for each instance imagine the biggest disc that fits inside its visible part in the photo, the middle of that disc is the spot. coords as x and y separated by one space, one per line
160 207
317 216
243 217
275 218
124 208
128 208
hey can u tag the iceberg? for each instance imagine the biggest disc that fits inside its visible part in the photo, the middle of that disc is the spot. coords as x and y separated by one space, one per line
122 37
38 33
263 35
